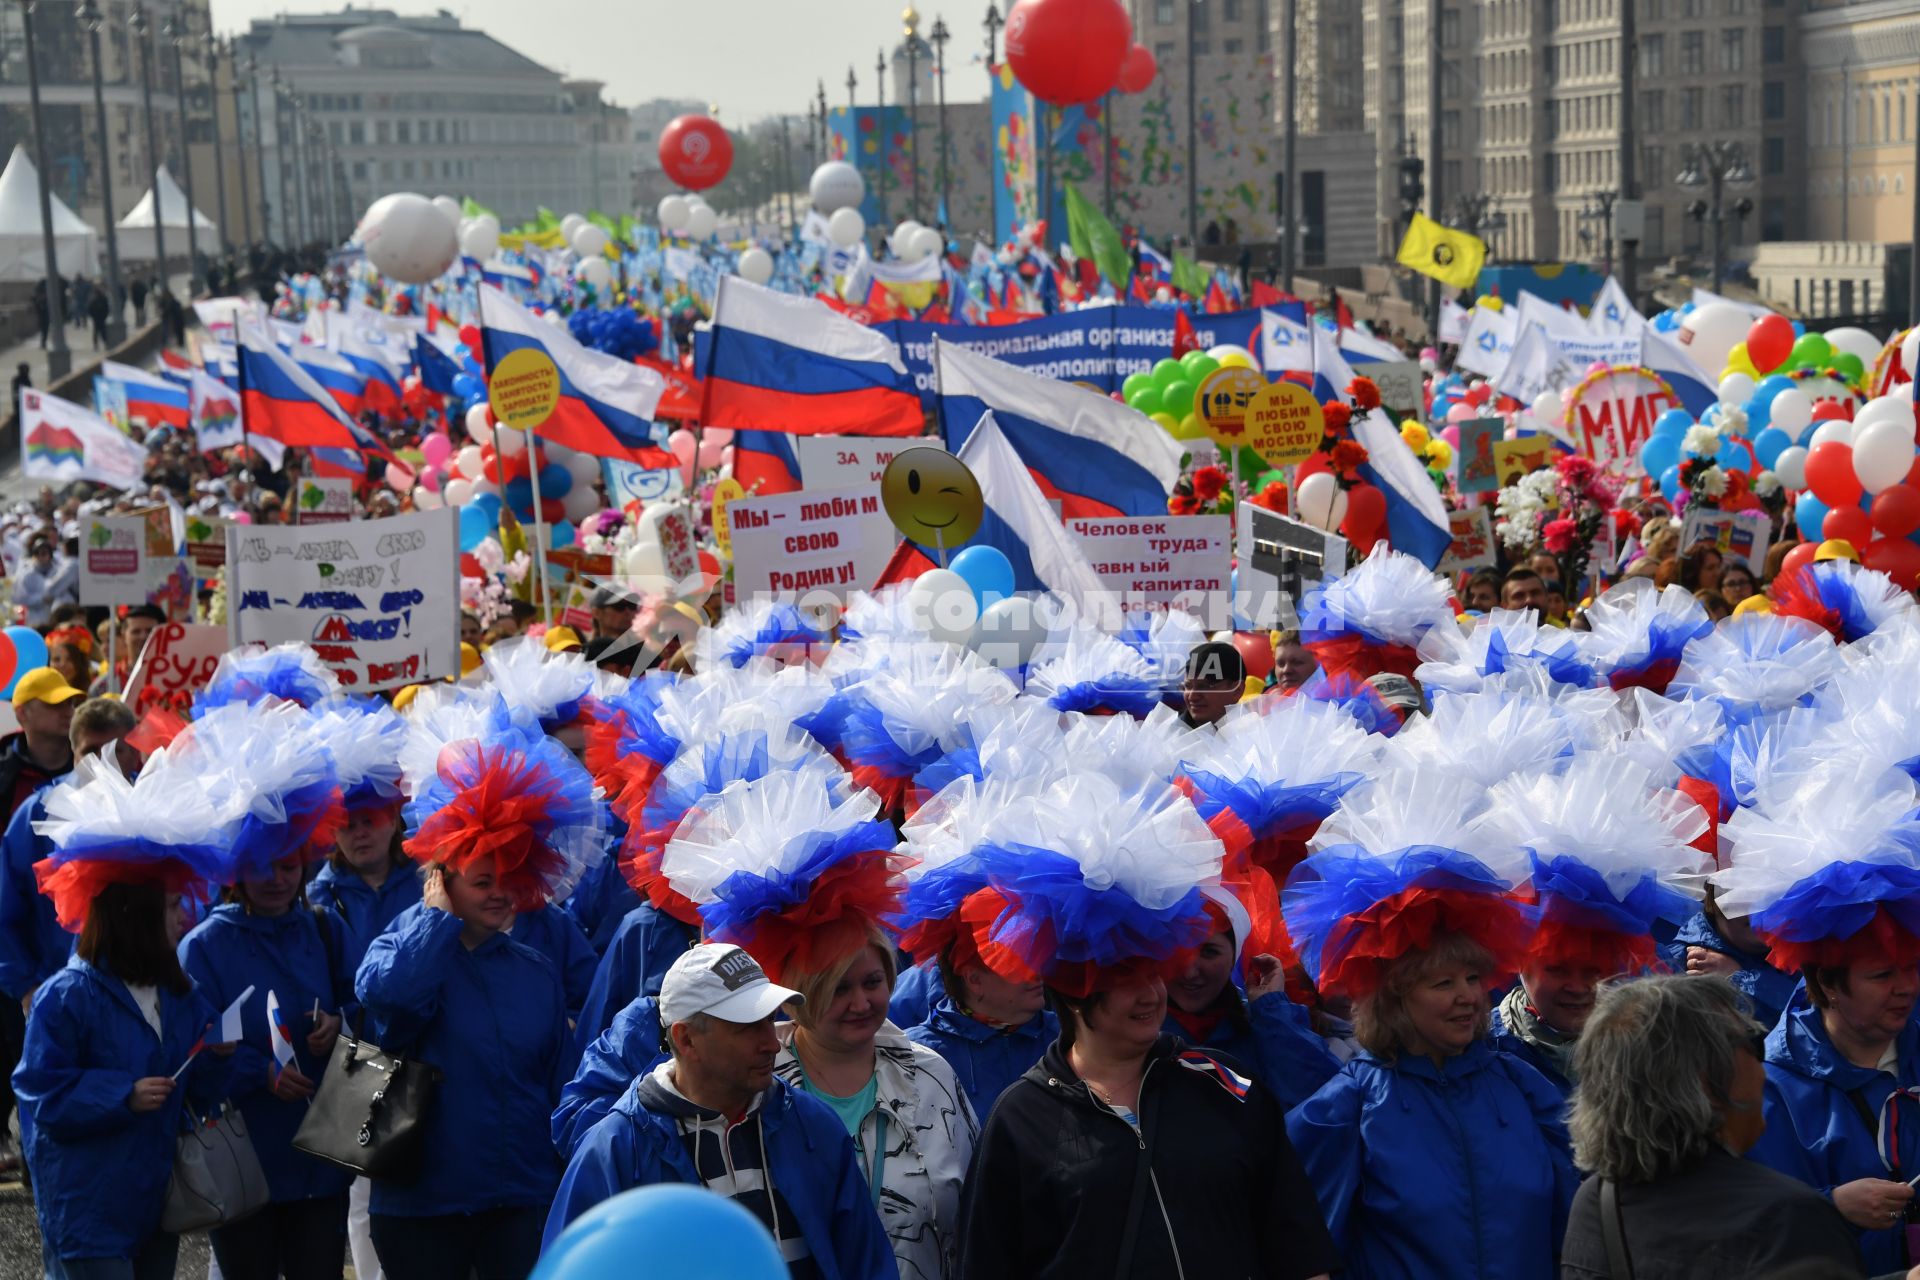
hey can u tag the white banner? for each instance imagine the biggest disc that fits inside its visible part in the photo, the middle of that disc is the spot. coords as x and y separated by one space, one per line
113 560
1488 343
63 442
379 600
847 462
787 544
324 500
1157 560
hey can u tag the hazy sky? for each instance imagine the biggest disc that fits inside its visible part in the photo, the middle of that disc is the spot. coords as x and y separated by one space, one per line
753 57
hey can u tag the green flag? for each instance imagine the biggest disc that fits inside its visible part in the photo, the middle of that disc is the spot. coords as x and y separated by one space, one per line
546 219
1094 238
1189 277
473 208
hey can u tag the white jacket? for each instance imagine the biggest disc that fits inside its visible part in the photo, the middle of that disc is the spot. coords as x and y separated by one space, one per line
931 1130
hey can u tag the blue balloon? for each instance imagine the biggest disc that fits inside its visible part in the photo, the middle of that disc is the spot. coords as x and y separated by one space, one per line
1673 424
1809 513
475 528
1670 483
462 352
987 570
1659 453
555 481
29 652
564 534
519 494
1765 390
1735 455
1769 444
1799 330
489 503
682 1231
467 386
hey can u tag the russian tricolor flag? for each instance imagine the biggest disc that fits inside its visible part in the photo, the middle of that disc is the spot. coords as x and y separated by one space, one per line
150 397
281 400
1016 519
1098 457
346 384
606 404
791 364
1697 390
1416 517
764 463
438 367
380 364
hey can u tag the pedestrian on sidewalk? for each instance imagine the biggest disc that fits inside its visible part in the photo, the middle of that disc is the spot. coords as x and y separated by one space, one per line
82 299
139 302
97 310
40 308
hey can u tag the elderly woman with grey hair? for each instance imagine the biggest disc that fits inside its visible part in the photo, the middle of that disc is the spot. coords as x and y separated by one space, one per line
1669 1102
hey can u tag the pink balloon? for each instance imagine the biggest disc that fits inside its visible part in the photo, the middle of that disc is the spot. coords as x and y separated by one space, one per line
726 456
681 445
399 478
243 517
1451 435
430 481
435 448
1460 413
717 435
711 454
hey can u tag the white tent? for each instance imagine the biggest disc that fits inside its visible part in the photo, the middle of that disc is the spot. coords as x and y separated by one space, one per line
136 229
22 250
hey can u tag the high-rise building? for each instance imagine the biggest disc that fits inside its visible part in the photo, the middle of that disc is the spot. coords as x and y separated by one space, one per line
1862 62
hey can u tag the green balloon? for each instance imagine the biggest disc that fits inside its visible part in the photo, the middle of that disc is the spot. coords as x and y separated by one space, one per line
1198 365
1134 385
1251 467
1148 400
1811 351
1851 366
1166 373
1176 398
1265 478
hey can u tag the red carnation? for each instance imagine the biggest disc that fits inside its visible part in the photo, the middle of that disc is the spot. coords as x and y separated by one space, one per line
1336 416
1365 394
1558 536
1208 482
1183 504
1273 497
1347 456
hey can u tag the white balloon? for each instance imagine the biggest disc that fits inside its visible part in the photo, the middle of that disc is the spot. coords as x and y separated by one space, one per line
425 499
1709 332
570 224
1736 389
407 239
1910 348
580 503
451 207
1885 409
673 212
846 227
1832 431
701 221
1322 503
485 486
1548 406
1791 467
646 567
1882 454
458 492
479 241
1855 342
510 440
901 236
1008 633
925 243
756 265
588 241
468 462
836 185
1791 411
583 467
1226 349
479 426
942 604
597 272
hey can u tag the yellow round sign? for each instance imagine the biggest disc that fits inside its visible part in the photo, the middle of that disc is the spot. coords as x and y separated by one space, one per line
1284 424
1221 402
723 493
524 389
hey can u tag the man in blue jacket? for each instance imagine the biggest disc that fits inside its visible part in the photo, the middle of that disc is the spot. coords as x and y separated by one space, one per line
715 1116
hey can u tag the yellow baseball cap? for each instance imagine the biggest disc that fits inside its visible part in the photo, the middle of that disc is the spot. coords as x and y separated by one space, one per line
469 659
1753 604
403 697
562 640
1836 549
44 684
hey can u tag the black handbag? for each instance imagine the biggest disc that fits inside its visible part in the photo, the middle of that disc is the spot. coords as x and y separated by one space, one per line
370 1112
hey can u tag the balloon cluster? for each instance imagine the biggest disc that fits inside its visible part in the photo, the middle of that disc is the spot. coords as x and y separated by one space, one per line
912 242
619 331
971 602
1166 393
688 216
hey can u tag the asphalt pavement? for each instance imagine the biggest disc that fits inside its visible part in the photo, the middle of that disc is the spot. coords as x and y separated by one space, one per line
20 1240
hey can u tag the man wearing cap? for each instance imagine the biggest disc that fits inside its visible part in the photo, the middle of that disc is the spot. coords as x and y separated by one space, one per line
714 1115
613 612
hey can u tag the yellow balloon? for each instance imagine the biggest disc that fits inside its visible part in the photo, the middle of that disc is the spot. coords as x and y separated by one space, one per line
1490 303
1738 361
1190 428
1238 360
1168 423
1255 687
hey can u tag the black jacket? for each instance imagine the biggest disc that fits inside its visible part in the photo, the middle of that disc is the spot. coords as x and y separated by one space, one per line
1053 1174
20 774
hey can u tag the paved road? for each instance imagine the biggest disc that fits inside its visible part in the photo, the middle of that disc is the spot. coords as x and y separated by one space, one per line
20 1241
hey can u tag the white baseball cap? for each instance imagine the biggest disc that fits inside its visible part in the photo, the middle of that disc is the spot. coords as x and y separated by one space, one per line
720 980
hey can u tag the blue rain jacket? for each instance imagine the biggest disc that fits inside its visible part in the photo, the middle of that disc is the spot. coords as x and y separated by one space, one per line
809 1156
1765 987
617 1057
603 897
33 946
1279 1046
914 990
553 933
1816 1129
1439 1175
225 954
643 948
1508 1041
100 1171
352 915
985 1059
494 1021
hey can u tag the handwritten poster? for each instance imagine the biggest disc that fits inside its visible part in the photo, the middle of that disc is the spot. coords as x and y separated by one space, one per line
176 664
1472 541
789 544
377 599
845 462
1157 560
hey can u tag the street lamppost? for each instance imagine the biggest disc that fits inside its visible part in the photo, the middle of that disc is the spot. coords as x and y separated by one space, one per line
282 169
59 363
1715 166
853 85
1475 213
1598 212
939 37
302 159
880 127
213 115
240 146
993 24
176 35
89 15
1193 121
137 25
910 28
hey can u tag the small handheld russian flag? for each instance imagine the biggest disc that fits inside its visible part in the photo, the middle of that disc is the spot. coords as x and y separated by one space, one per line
277 1033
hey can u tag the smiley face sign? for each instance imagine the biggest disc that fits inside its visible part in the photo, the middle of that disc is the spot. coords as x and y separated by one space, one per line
931 497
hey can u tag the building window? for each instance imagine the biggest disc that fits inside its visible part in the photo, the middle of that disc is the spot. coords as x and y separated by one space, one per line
1230 47
1736 6
1773 157
1773 100
1693 113
1163 52
1450 29
403 134
1653 169
1733 105
1163 12
356 134
382 134
1653 110
1653 55
1773 44
1733 50
1232 10
1692 8
1693 53
1199 15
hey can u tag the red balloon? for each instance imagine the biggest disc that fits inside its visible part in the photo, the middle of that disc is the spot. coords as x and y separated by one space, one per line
1896 510
1315 463
1256 650
470 334
1800 555
1366 515
1770 342
553 511
1895 557
1830 474
695 152
1832 411
1850 523
1138 70
1068 51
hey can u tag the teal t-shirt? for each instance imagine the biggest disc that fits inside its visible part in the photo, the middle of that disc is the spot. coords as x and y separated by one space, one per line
853 1112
